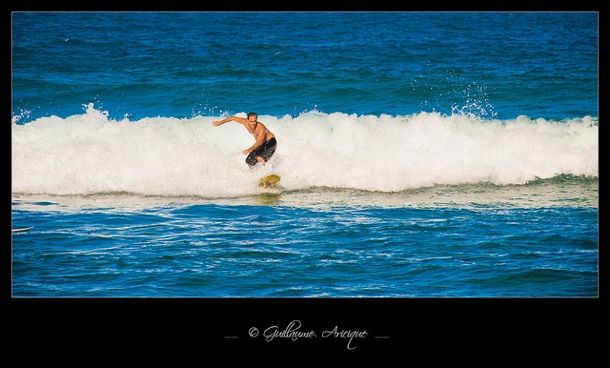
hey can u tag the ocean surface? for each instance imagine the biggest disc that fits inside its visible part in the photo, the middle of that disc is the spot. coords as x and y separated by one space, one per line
421 154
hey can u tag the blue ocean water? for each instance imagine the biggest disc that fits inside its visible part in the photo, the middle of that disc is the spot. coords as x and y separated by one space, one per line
421 154
245 250
183 64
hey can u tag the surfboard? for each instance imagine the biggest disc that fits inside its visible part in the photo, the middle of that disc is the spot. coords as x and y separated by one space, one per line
23 229
269 181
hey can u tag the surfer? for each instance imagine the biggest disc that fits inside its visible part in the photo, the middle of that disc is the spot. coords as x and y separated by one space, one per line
265 144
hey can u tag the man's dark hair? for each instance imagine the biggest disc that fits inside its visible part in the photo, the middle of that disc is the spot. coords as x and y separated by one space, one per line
252 113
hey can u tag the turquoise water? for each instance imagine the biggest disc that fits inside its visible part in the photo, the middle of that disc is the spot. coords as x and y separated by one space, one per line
533 240
184 64
421 155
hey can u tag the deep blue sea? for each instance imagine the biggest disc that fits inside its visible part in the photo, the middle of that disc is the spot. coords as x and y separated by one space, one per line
421 154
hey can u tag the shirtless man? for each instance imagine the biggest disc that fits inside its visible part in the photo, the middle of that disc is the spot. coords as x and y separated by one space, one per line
265 144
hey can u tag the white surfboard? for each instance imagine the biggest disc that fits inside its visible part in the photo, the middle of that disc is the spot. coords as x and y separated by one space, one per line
23 229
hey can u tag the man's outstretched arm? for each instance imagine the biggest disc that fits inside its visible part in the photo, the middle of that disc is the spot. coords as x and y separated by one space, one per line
230 118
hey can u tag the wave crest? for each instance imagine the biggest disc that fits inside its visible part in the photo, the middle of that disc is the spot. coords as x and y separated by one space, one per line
90 153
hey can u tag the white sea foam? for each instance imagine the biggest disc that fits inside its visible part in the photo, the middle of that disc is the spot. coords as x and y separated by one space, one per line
88 153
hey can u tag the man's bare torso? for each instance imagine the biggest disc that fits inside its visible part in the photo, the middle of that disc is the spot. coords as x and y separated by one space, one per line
256 131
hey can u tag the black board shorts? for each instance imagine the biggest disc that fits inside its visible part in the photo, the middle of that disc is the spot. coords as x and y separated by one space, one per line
265 150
